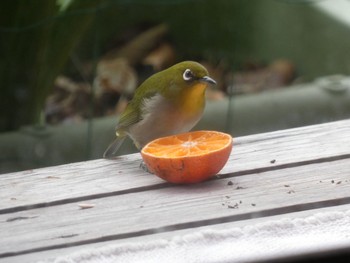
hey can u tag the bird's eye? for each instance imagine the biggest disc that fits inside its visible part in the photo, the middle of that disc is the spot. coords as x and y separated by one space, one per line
188 75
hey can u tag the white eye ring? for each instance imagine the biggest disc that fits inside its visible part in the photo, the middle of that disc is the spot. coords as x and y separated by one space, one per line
188 75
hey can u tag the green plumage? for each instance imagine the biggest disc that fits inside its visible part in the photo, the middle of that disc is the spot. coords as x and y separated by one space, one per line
161 91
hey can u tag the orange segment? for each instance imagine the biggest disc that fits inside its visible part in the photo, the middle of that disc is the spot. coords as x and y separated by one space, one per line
189 157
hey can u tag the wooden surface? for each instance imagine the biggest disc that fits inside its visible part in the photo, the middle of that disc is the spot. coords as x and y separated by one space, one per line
278 174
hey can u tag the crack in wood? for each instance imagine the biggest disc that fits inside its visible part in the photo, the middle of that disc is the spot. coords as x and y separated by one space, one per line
69 236
187 225
166 185
84 198
11 219
286 166
247 140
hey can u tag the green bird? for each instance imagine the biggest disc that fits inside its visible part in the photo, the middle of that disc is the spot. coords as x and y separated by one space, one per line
169 102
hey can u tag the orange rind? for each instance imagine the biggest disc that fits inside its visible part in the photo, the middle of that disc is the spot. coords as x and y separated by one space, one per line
188 157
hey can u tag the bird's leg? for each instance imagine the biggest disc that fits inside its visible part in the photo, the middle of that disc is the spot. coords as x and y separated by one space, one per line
144 167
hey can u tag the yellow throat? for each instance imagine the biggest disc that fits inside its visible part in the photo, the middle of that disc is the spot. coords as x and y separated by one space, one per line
192 100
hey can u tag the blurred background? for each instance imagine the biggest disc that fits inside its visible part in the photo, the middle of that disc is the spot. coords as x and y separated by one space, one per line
69 67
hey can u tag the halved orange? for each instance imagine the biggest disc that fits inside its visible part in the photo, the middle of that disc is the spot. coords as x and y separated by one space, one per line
189 157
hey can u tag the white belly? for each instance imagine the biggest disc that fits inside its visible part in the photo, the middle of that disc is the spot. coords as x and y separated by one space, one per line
161 119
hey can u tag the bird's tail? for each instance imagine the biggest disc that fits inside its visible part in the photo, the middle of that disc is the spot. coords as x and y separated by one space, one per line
114 147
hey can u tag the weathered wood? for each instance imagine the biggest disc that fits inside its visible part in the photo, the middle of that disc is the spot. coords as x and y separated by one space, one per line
268 175
54 253
177 207
99 178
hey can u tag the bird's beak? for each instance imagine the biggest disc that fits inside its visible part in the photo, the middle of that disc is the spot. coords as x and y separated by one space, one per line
208 80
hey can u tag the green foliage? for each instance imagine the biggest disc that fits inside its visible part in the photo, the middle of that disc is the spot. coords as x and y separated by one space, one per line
37 38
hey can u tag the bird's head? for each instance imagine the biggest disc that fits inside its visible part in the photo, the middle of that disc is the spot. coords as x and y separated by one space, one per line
186 77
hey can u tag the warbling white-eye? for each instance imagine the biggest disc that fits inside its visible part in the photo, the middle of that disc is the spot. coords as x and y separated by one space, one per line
167 103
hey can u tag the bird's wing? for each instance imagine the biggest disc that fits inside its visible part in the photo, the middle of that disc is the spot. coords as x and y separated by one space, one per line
129 117
133 112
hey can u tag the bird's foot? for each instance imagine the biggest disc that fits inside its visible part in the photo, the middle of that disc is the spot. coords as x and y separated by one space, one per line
144 167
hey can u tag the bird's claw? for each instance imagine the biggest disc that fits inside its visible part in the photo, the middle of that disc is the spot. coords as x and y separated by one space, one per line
144 167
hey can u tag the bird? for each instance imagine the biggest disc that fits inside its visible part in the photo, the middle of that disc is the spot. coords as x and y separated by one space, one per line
169 102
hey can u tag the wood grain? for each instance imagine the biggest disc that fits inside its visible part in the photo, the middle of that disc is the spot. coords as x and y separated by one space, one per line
52 254
177 207
273 174
101 178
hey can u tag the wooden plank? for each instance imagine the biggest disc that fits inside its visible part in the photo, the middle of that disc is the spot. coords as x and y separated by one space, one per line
54 253
177 207
102 178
